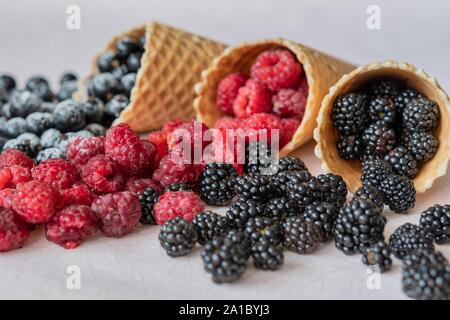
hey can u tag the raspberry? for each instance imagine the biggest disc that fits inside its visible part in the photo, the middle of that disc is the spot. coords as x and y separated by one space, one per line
5 178
170 172
192 131
277 69
139 185
159 139
252 98
133 155
184 204
34 201
12 157
260 124
79 194
102 174
228 123
13 176
172 125
119 213
71 226
289 103
6 198
227 91
13 231
80 150
57 173
288 128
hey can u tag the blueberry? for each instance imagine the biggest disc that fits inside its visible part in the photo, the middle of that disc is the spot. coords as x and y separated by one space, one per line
134 61
116 105
126 46
68 116
68 77
40 87
23 103
96 129
48 107
5 110
120 71
93 109
38 122
51 138
2 142
104 86
2 122
128 82
66 91
23 146
142 41
7 83
83 134
107 62
32 140
50 153
14 127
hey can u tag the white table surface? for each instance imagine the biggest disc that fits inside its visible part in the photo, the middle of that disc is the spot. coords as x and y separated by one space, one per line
34 40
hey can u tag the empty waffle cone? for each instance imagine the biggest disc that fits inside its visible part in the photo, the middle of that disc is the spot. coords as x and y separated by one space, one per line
326 135
321 71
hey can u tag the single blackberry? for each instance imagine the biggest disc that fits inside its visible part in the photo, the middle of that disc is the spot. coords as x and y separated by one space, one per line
267 256
333 189
104 86
40 87
350 147
38 122
238 237
216 183
399 193
96 129
23 146
301 236
116 105
349 114
381 109
371 193
379 139
423 145
359 225
258 159
402 162
303 188
405 97
426 275
50 153
437 221
281 208
14 127
148 199
291 164
378 255
210 225
174 187
323 215
242 210
93 109
177 236
280 183
374 171
263 228
408 238
384 88
421 115
254 187
68 116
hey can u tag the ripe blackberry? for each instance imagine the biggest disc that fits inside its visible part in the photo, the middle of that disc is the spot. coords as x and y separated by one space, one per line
254 187
177 236
378 255
68 116
384 110
437 221
384 88
38 122
216 183
242 210
421 115
423 145
402 162
258 158
281 208
374 171
148 198
350 147
267 256
263 228
399 193
405 97
408 238
239 238
371 193
349 114
210 225
324 216
359 225
426 276
301 236
178 187
303 188
379 139
333 189
291 164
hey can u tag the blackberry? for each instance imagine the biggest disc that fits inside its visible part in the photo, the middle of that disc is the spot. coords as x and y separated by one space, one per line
324 216
107 62
68 116
349 114
384 88
238 237
301 236
426 276
174 187
350 147
371 193
40 87
177 236
148 199
281 208
128 81
210 225
50 153
405 97
66 90
134 61
93 109
408 238
379 139
437 221
291 164
333 189
280 183
267 256
104 86
23 146
116 105
96 129
374 171
242 210
303 188
51 138
216 183
421 115
423 145
263 228
38 122
68 77
399 193
254 187
359 225
381 109
7 83
125 47
14 127
258 158
402 162
378 255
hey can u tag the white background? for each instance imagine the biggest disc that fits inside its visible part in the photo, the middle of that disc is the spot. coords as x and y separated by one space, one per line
34 40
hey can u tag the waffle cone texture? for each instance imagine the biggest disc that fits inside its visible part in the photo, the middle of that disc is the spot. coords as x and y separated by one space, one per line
326 135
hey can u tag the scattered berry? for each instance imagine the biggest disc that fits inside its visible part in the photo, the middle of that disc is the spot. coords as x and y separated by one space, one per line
333 189
116 105
14 127
50 153
104 86
263 229
148 198
378 255
371 193
93 109
399 193
177 236
437 221
402 162
301 236
408 238
22 103
267 256
242 210
253 187
80 150
282 208
404 98
210 225
102 174
323 215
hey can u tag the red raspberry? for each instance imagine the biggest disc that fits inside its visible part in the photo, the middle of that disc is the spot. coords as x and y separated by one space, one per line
289 127
13 231
261 124
277 69
289 103
170 172
133 155
57 173
119 213
12 176
192 131
303 86
228 123
79 194
6 198
81 150
35 202
252 98
185 204
13 157
102 174
159 139
71 226
172 125
227 91
5 178
139 185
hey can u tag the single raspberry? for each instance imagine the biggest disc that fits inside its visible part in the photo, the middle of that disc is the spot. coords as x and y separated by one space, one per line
12 157
228 123
172 125
79 194
6 198
184 204
159 139
20 174
133 155
262 126
5 178
137 186
57 173
191 131
170 172
71 226
289 103
102 174
119 213
34 201
252 98
288 128
227 91
13 231
80 150
277 69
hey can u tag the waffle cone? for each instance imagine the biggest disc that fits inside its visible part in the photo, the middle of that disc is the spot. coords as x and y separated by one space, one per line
321 70
326 135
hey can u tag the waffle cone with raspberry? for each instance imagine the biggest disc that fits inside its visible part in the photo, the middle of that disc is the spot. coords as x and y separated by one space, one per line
321 71
327 136
170 67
